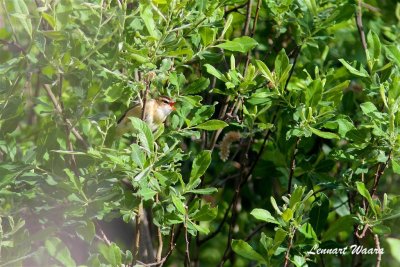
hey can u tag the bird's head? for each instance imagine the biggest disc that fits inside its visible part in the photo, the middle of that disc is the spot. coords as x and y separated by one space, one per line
166 103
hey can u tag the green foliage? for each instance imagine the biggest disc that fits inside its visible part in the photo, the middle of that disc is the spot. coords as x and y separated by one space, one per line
285 136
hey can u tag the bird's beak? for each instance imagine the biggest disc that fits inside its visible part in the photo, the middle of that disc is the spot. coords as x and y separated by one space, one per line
172 105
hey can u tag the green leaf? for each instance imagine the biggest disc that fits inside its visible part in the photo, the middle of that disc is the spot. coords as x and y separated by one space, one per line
326 135
50 19
243 249
22 13
197 86
263 215
214 72
313 93
203 191
86 232
319 213
197 227
308 231
296 196
361 73
206 213
241 44
282 65
111 253
59 251
145 135
227 24
381 229
146 193
114 92
199 167
212 125
265 70
395 166
207 35
287 214
394 247
393 53
179 204
275 206
368 107
280 236
374 45
364 192
147 15
137 155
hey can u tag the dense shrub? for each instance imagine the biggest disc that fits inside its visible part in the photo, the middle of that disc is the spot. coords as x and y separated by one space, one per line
285 138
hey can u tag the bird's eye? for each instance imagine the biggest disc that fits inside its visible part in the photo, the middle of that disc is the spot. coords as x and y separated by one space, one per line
165 101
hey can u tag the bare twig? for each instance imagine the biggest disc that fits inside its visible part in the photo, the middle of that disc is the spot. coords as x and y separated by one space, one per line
378 248
236 8
296 52
253 30
363 233
255 231
187 241
293 164
136 242
221 115
160 239
379 172
287 258
239 184
360 26
171 246
248 17
370 7
103 235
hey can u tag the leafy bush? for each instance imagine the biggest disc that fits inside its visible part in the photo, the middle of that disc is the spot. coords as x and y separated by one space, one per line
285 139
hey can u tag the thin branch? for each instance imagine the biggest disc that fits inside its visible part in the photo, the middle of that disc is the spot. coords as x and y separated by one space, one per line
66 120
103 235
287 258
360 26
296 52
145 99
136 242
248 17
171 247
160 239
371 7
219 228
161 262
266 137
255 231
253 30
293 164
378 247
240 183
379 173
221 115
363 233
187 241
236 8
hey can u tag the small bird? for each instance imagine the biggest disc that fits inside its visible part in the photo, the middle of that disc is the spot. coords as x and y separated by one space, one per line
156 112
